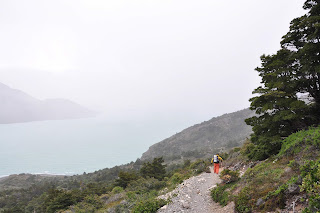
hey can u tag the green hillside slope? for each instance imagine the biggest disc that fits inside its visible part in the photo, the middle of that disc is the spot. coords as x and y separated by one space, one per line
202 140
288 180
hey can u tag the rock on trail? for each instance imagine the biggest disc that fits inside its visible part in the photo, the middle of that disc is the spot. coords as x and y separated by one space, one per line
193 195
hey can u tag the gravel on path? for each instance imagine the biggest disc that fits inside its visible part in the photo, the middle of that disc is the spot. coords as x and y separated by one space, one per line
193 195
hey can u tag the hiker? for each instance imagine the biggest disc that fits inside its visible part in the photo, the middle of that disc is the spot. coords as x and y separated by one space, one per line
216 160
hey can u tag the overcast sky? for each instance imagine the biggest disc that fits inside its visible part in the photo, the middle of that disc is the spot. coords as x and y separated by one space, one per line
141 57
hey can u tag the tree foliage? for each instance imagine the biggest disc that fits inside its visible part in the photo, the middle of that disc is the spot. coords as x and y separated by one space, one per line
59 199
155 169
289 98
124 178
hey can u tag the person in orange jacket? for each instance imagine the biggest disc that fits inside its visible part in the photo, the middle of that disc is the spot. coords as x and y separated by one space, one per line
216 160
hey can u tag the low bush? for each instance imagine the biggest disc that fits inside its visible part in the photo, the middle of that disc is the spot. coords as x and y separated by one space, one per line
117 189
220 195
311 184
242 204
199 166
177 178
276 198
149 206
294 165
90 204
143 185
229 176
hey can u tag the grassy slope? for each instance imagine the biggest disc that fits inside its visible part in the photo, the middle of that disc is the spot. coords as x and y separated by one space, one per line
297 164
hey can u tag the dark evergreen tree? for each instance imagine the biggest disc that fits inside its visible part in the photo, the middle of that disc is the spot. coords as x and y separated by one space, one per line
124 178
58 200
293 72
155 169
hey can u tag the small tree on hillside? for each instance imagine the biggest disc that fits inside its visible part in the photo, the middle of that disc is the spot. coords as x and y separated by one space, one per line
155 169
124 178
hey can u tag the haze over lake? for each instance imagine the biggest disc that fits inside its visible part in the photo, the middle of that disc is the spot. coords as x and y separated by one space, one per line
81 145
168 64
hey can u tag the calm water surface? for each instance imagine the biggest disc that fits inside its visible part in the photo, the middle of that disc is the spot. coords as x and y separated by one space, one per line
77 146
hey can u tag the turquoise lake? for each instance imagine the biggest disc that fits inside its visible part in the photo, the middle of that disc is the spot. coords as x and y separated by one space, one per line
76 146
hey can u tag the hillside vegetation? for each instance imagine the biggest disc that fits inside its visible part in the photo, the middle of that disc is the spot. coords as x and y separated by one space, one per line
135 189
289 180
288 99
286 132
201 140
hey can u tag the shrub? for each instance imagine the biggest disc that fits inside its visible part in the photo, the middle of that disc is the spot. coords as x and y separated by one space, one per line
219 194
90 204
224 155
186 163
229 176
242 204
117 190
199 166
149 206
311 184
177 178
124 178
93 200
247 147
59 200
236 149
276 198
145 185
294 165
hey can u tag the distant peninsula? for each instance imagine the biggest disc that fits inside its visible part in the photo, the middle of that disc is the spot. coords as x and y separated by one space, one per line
17 107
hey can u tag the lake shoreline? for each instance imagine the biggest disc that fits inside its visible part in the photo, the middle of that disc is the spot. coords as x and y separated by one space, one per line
73 147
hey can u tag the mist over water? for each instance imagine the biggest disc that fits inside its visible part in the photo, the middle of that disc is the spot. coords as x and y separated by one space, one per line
81 145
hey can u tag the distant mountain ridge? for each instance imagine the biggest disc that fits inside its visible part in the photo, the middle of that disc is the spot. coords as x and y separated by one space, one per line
204 139
17 106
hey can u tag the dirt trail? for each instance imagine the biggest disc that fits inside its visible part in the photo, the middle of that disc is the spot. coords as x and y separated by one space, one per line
193 195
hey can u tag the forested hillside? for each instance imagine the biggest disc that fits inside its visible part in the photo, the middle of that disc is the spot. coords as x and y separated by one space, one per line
202 140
